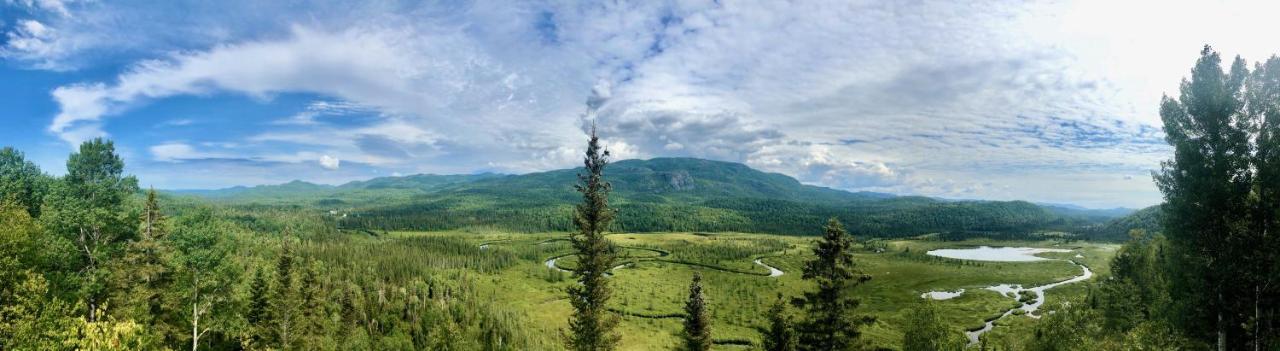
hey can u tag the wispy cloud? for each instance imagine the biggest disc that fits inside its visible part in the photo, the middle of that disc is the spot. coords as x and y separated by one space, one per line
999 99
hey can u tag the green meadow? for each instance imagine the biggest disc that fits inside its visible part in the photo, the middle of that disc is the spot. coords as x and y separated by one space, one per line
654 269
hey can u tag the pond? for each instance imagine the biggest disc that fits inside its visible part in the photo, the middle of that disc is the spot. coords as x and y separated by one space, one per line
999 254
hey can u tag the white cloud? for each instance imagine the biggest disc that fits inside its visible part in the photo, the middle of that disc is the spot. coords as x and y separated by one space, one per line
986 100
329 162
58 7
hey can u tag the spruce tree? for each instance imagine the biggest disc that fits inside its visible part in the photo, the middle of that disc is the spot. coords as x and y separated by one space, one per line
1263 101
259 305
284 300
144 271
591 328
781 334
697 325
829 323
1207 188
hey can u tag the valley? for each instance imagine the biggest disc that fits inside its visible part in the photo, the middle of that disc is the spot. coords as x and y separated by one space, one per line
649 284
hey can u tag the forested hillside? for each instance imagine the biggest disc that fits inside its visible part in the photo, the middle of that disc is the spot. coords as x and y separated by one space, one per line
684 194
1117 229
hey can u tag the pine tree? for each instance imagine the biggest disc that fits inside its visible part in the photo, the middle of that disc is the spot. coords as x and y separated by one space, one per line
144 272
830 323
697 325
781 334
284 300
591 328
1207 188
259 305
1263 101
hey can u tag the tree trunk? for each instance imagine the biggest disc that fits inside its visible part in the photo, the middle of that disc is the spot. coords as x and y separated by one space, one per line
1222 329
195 320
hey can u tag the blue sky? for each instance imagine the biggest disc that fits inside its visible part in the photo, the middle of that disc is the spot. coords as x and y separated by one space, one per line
1047 101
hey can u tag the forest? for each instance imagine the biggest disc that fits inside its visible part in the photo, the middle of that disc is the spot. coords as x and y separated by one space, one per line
89 260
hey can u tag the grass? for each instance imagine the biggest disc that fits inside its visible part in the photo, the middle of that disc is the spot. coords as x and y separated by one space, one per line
649 294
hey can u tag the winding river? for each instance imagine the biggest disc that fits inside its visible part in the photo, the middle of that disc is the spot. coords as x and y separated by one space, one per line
1006 254
1030 308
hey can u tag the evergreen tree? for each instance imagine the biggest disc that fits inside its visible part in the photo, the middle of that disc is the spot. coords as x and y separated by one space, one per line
591 328
830 323
259 305
926 331
1263 101
781 335
697 325
143 271
284 300
1207 188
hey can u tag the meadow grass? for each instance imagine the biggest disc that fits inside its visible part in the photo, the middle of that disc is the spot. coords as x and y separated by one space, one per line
649 294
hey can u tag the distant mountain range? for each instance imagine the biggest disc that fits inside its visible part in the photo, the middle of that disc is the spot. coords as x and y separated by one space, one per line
661 194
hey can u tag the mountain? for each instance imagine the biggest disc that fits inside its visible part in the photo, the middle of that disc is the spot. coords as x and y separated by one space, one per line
686 194
1098 213
368 191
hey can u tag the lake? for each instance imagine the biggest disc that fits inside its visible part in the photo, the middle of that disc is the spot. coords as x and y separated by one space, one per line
998 254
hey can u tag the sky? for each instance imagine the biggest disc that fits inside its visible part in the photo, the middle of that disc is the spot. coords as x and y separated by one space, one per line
1046 101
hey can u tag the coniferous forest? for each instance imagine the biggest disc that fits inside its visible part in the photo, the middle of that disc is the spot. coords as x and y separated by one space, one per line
663 253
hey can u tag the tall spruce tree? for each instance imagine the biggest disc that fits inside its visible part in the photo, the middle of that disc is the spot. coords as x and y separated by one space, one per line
830 322
1207 188
697 324
1263 101
285 301
780 335
144 270
591 327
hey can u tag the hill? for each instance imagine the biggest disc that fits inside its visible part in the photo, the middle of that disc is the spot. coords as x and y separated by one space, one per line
685 194
1117 229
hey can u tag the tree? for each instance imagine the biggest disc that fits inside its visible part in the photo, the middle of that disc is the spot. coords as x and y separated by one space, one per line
780 336
29 319
285 300
591 326
1072 326
259 305
697 325
830 322
205 275
1263 101
143 273
86 211
926 331
21 181
1208 189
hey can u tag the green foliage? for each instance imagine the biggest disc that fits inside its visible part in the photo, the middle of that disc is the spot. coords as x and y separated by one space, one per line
925 330
21 181
830 321
88 214
780 335
683 194
591 328
697 324
1225 282
1148 219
